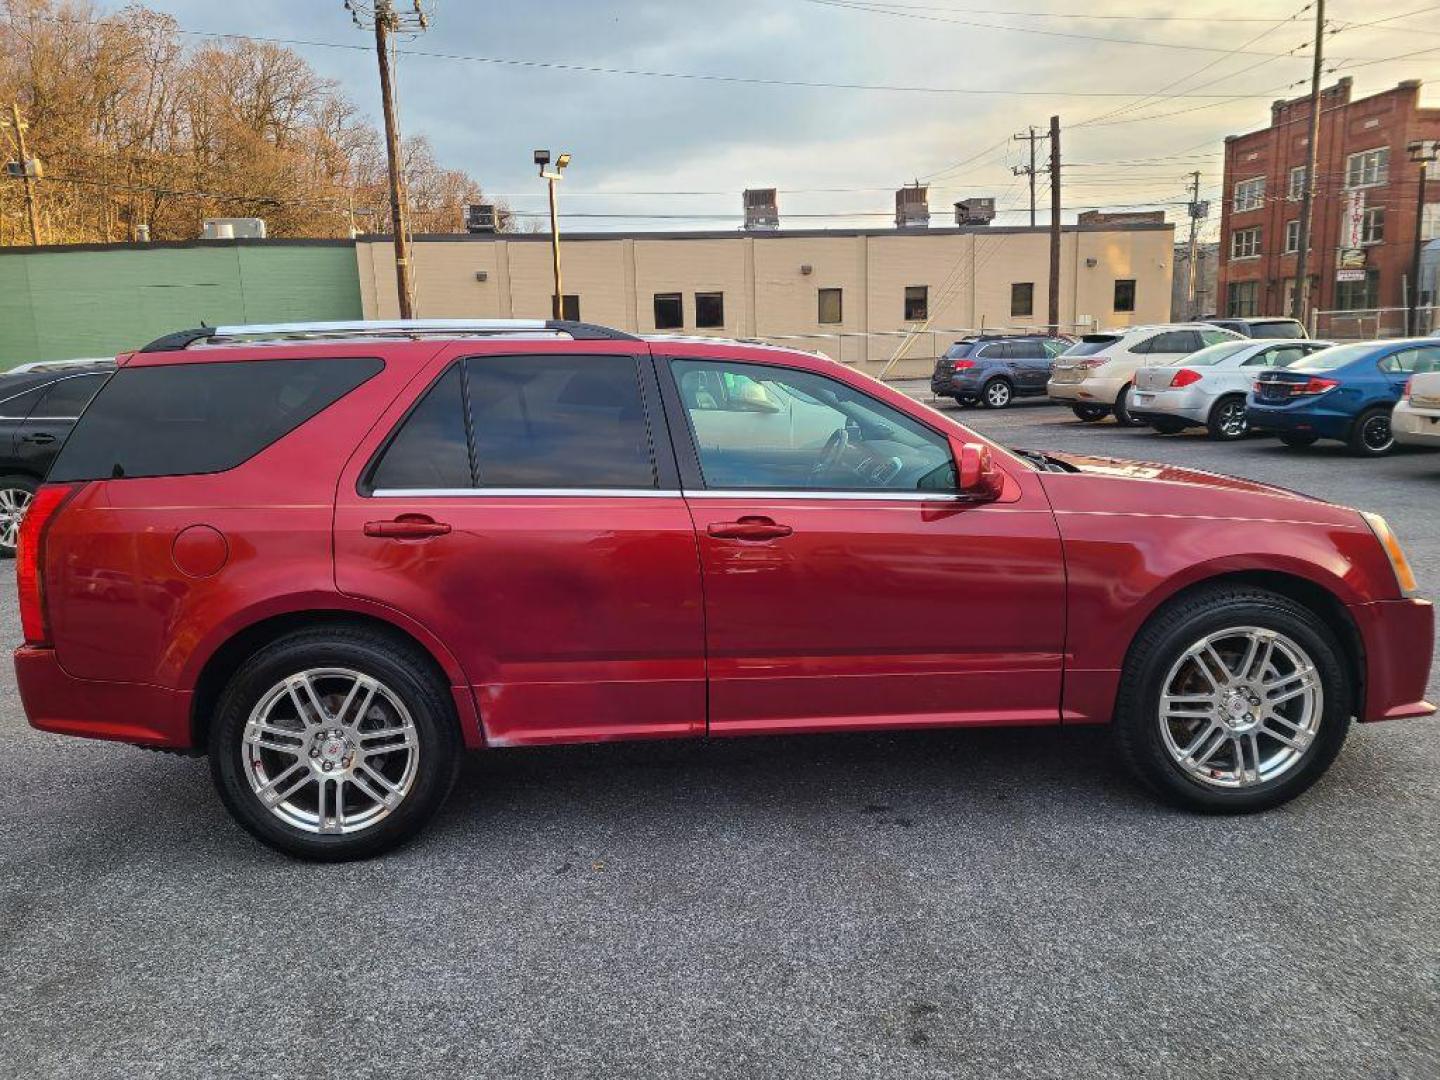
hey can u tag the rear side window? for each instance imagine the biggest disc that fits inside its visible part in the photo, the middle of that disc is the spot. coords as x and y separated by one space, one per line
545 422
1091 344
67 398
186 419
21 405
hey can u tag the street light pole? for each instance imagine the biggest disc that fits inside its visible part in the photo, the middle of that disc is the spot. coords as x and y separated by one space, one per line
553 176
1422 152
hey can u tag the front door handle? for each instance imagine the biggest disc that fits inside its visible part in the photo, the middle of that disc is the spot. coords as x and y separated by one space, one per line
749 528
407 527
40 437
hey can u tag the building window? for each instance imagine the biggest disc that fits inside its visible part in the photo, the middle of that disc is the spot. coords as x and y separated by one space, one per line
917 303
669 311
1022 298
569 306
709 309
1296 189
1125 294
1250 194
1358 295
1289 293
1367 168
1292 237
831 309
1430 222
1372 225
1245 243
1242 299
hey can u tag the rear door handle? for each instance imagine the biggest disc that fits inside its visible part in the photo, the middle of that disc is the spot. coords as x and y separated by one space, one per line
749 528
41 437
407 527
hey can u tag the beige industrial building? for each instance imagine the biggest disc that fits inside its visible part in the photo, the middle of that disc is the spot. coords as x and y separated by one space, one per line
887 299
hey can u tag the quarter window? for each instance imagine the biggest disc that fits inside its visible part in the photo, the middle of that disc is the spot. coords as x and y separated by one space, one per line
761 427
1367 168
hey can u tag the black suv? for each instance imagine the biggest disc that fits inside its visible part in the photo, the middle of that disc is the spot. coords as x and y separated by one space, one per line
38 407
993 371
1286 329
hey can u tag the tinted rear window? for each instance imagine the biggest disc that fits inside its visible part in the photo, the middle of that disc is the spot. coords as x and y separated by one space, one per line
1285 328
1091 344
184 419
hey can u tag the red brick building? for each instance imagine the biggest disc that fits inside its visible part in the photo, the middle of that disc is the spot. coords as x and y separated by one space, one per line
1362 157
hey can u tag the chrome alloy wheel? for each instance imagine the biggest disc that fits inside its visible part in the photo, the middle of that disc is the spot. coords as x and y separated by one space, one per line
1231 419
330 751
1240 707
997 394
13 504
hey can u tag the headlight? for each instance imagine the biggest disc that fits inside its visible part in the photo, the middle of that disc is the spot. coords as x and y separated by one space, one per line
1404 575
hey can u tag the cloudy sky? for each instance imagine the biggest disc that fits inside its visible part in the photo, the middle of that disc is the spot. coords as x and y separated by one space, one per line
928 89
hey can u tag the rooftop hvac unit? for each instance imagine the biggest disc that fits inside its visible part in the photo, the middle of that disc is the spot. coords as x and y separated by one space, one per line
480 218
233 228
912 206
762 212
974 211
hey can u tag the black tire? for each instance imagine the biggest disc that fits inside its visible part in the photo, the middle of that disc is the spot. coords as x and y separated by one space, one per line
401 668
1122 409
1164 640
1168 425
997 394
1370 434
1088 414
1227 421
14 489
1297 441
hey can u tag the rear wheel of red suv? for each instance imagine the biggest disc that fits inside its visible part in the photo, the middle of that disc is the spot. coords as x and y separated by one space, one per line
334 743
1234 699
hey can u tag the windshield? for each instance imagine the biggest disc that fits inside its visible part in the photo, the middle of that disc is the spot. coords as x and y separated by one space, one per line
1330 359
1211 354
1091 344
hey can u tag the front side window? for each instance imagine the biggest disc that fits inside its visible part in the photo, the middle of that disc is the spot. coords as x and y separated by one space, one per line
831 307
1022 299
759 427
1250 194
669 311
917 303
1245 243
188 419
1368 167
709 309
1125 294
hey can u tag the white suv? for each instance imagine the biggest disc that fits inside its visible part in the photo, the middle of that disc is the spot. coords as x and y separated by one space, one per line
1093 376
1416 419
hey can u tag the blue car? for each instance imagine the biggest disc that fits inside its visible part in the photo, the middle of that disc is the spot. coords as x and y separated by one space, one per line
993 371
1344 393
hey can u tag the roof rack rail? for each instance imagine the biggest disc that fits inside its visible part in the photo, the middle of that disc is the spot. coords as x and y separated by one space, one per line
412 329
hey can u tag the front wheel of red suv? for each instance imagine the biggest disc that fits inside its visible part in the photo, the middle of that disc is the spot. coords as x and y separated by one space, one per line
1234 699
334 744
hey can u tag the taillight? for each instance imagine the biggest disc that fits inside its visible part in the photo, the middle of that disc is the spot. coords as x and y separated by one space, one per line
30 559
1315 385
1409 387
1184 377
962 365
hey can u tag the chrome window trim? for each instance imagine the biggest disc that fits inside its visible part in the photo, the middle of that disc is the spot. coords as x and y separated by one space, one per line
666 493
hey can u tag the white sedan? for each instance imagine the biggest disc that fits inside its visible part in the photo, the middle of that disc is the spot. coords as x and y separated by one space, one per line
1207 388
1416 419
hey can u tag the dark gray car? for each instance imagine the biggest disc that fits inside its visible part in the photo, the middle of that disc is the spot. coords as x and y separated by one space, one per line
993 371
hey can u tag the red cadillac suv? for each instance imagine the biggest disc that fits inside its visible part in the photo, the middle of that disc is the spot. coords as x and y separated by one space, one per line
332 556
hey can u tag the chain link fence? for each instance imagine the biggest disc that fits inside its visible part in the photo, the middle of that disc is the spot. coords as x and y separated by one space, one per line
1370 323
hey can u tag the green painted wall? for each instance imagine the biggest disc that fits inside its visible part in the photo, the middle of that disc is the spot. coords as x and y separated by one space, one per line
62 303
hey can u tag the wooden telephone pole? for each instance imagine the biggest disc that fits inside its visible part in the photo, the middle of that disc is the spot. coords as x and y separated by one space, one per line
1301 307
1032 137
385 20
28 170
1054 313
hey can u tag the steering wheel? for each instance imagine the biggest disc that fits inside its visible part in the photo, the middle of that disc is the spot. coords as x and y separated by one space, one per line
835 446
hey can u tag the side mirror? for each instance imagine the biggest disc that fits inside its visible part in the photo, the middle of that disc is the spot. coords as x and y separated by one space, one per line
976 474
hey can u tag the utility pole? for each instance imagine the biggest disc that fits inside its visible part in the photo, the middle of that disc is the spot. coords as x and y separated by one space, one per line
1301 308
1422 152
1197 211
1054 315
1022 170
27 168
381 14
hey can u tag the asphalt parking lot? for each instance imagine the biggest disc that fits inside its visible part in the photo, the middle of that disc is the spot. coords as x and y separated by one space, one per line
950 904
